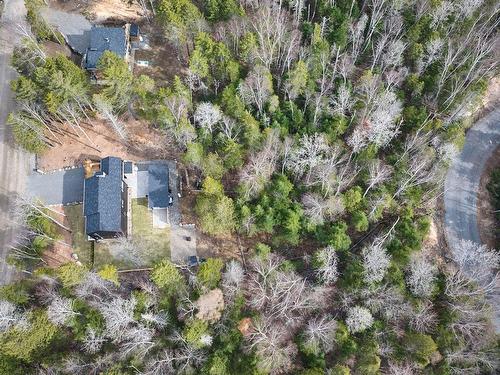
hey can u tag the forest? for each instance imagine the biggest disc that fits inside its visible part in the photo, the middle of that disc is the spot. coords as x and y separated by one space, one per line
321 131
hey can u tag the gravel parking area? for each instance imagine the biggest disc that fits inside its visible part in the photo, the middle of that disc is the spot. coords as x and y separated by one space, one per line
61 187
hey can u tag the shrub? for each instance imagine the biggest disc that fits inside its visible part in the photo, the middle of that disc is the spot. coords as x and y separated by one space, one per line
110 273
209 273
420 347
71 274
360 221
167 277
196 333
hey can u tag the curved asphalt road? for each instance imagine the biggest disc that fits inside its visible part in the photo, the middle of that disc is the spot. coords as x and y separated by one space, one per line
14 163
462 184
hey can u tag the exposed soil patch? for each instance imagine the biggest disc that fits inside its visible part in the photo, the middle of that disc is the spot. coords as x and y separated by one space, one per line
164 58
102 10
489 227
54 49
144 143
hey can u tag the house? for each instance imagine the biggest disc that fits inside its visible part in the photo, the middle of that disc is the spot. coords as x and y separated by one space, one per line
114 39
105 201
107 192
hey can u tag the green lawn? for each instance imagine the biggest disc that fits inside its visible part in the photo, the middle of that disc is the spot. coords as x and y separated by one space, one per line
152 244
81 246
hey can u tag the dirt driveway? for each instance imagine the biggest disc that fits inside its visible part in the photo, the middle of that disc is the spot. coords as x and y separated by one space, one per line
144 143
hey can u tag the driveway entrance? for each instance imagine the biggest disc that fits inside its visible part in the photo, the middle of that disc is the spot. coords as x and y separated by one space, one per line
61 187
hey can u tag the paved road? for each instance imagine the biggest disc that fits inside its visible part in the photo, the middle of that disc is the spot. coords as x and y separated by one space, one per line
62 187
14 163
462 183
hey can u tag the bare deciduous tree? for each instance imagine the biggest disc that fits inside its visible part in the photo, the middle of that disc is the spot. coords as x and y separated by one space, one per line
478 262
136 340
319 334
394 368
327 268
261 166
278 38
175 361
421 275
378 173
9 315
207 116
93 341
105 109
424 319
358 319
272 345
307 155
232 279
376 261
388 302
118 314
60 310
257 87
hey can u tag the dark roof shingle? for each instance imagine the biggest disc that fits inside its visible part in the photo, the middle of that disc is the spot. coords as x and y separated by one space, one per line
158 186
102 207
104 39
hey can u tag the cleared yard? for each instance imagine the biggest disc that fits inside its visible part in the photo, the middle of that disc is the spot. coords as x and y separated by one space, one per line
82 247
145 246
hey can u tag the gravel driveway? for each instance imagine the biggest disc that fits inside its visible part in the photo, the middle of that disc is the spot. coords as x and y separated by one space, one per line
462 184
73 26
61 187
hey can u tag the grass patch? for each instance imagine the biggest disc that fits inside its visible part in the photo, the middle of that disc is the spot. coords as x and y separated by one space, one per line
152 244
81 245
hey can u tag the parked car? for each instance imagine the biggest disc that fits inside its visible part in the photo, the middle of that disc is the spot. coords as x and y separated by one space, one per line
195 260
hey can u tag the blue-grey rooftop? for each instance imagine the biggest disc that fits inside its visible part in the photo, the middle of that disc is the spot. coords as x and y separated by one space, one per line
102 201
104 39
128 167
134 29
158 185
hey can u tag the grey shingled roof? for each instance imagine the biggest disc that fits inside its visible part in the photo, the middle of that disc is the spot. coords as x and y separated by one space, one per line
102 201
105 39
127 167
158 185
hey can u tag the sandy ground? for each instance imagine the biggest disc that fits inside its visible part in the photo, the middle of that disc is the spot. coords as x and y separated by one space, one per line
143 143
102 10
489 227
492 95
